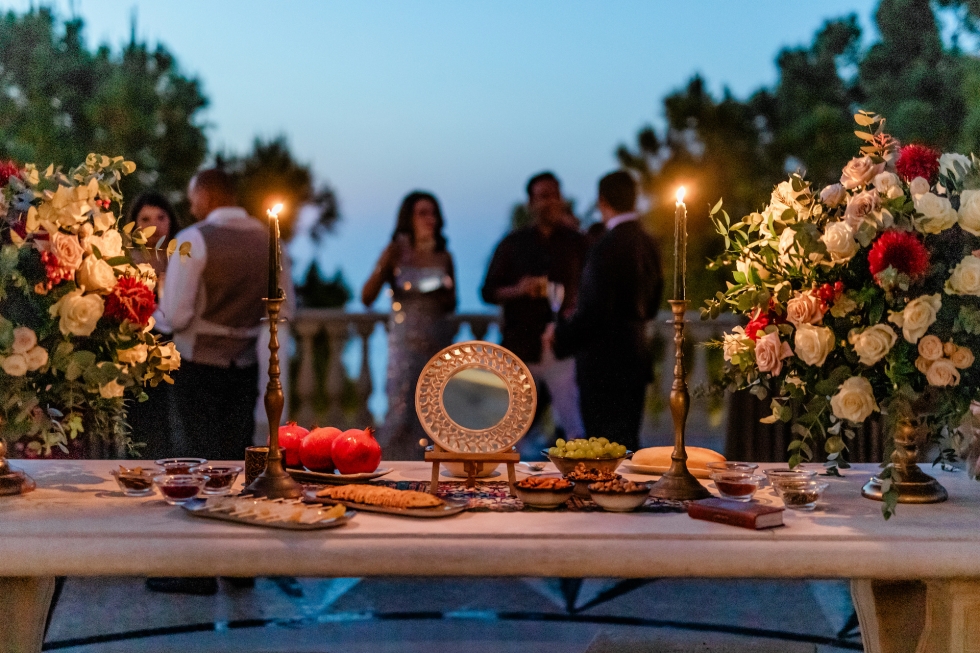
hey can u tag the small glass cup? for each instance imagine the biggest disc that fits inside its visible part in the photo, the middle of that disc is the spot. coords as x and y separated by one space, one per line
737 485
179 488
801 495
783 475
220 477
180 465
732 466
136 481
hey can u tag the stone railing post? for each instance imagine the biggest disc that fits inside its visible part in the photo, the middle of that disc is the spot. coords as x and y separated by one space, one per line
305 331
364 385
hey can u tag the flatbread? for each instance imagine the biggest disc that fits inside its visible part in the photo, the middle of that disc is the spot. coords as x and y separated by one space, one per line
378 495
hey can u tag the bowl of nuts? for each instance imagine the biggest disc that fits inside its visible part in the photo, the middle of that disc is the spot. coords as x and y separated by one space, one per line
619 495
583 474
544 492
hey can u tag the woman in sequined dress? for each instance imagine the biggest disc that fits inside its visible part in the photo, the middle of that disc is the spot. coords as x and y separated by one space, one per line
419 272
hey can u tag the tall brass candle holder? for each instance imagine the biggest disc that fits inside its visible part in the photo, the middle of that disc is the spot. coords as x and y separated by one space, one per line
274 482
678 483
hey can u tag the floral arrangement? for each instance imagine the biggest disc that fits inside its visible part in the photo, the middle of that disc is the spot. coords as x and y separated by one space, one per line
861 297
76 314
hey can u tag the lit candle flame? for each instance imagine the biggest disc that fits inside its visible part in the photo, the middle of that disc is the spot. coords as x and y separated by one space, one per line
680 195
274 211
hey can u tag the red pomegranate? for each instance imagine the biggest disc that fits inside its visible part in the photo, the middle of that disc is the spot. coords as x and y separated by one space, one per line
315 451
356 452
290 438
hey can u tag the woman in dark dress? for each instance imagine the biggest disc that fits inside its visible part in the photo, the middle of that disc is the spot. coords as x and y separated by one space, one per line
419 272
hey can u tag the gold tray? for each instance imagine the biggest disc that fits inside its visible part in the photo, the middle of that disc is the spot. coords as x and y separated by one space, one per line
196 507
333 478
447 509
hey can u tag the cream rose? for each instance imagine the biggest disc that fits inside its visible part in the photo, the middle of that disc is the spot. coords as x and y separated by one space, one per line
872 344
859 171
36 358
969 213
111 245
96 275
931 348
937 213
962 358
111 390
770 352
942 373
833 195
133 355
15 365
24 340
840 243
813 343
917 317
66 248
889 185
79 313
918 186
804 308
169 357
855 401
965 279
860 206
103 220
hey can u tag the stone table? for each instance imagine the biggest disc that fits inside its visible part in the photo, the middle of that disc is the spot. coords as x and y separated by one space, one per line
77 523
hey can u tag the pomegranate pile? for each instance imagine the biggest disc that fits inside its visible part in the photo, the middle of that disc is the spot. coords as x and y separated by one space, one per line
325 449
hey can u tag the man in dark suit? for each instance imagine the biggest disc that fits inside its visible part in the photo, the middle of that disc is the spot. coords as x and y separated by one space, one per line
620 292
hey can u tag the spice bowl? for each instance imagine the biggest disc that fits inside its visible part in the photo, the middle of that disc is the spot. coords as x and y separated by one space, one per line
178 489
619 495
544 492
180 465
220 477
136 481
732 466
801 495
737 485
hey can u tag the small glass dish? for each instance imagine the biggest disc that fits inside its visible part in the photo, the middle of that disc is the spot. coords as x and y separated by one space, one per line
136 481
180 465
179 488
801 495
737 485
220 477
732 466
785 474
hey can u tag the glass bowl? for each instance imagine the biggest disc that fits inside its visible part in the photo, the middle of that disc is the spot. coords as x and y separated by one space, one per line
179 488
737 485
801 495
136 481
566 465
785 474
180 465
220 477
732 466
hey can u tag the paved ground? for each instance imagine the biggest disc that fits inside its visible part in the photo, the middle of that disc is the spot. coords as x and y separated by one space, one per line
102 615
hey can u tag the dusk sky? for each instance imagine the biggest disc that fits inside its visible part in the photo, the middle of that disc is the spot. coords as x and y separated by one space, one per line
466 99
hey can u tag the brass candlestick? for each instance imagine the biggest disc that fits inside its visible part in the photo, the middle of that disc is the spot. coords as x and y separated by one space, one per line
678 483
274 482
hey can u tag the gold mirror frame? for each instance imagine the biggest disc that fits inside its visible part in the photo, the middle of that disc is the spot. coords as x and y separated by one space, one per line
522 393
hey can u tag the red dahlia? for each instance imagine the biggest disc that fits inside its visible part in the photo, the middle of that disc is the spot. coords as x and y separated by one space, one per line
901 250
918 161
131 300
8 169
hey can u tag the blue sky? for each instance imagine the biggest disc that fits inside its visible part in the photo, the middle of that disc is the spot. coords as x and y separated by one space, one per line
466 99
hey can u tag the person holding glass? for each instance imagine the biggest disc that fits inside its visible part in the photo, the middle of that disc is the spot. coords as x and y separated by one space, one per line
419 272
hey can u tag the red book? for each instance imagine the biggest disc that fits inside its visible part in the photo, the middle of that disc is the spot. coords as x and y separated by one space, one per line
736 513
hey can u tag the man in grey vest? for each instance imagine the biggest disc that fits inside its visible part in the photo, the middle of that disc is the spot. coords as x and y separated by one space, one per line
213 302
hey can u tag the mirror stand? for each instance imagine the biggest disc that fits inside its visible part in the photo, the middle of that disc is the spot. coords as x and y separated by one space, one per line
473 464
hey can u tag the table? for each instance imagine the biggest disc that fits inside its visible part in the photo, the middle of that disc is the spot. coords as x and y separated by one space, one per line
77 523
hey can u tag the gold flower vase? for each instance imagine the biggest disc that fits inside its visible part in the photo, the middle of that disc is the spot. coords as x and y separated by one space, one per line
912 484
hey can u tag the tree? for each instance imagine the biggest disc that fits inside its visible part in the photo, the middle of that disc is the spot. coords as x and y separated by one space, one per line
59 101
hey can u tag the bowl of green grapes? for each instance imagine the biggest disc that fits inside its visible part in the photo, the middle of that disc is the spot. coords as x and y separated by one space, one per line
597 453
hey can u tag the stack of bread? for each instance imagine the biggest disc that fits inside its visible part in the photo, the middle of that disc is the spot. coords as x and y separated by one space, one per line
656 460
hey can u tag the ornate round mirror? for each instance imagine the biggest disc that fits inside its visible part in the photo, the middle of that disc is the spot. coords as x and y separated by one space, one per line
475 397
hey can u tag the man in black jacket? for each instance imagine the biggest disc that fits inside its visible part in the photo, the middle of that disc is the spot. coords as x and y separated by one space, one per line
620 292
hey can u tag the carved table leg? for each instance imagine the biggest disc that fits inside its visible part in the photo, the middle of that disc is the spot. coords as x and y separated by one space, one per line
952 622
24 604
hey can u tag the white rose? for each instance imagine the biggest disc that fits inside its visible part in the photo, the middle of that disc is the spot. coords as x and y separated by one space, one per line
36 358
860 206
67 250
15 365
947 160
833 195
965 279
103 220
969 213
962 358
918 186
889 185
169 357
813 343
917 317
133 355
24 340
146 273
931 348
770 352
938 214
859 171
111 245
855 401
872 344
840 243
79 313
96 275
111 390
804 308
942 373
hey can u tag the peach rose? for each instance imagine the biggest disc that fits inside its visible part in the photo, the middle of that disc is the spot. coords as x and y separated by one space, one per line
931 348
962 358
804 308
942 373
770 352
67 249
860 171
